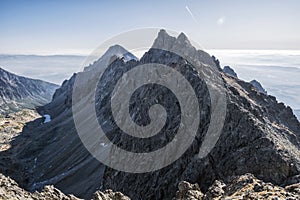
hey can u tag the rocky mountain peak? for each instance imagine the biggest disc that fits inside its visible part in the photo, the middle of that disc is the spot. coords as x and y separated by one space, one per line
118 50
115 51
181 46
167 42
182 39
163 40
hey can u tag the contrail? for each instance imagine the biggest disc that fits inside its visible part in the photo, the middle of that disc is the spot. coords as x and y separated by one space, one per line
192 15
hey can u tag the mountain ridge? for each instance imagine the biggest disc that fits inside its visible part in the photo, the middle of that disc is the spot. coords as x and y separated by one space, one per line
19 92
260 136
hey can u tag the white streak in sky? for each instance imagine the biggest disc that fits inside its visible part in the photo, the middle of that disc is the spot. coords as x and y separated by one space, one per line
190 12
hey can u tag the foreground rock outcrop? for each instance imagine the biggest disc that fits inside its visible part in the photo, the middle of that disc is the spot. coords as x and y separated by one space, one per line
241 187
10 190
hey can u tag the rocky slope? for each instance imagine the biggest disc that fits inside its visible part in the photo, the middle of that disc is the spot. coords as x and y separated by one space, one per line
17 92
229 71
10 190
12 125
260 135
240 187
258 86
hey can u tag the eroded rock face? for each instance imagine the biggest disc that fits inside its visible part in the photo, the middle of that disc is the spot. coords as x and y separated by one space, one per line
188 191
109 195
10 190
241 187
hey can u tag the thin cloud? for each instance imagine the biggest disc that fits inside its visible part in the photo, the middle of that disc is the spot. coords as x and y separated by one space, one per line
221 21
190 12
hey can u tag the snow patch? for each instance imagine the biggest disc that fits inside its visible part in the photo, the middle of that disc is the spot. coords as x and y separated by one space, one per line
47 118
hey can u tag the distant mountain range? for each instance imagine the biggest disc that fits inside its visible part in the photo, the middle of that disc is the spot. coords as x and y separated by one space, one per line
51 68
18 92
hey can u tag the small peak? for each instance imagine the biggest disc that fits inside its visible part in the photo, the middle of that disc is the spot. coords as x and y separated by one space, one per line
162 32
117 50
116 47
258 86
182 37
163 40
228 70
183 40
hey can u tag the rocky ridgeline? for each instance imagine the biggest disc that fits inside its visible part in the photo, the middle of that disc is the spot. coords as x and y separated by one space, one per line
257 85
241 187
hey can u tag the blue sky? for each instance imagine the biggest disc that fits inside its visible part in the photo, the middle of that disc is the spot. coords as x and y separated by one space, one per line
55 27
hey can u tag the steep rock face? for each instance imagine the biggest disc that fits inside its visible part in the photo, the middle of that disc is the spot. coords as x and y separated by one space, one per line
258 86
228 70
17 92
260 135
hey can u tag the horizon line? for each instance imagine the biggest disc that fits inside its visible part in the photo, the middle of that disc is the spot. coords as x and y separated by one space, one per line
81 54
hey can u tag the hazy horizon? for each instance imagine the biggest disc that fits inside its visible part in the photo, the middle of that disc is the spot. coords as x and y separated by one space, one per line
277 70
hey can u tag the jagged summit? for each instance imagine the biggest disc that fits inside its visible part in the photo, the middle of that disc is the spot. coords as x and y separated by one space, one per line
181 46
167 42
163 40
